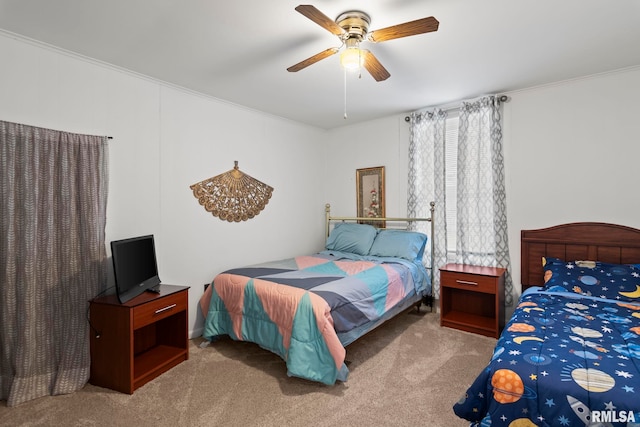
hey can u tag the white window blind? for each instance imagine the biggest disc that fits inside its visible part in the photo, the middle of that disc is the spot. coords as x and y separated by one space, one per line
451 171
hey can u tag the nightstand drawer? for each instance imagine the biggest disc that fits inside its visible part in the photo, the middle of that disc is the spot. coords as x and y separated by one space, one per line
472 282
159 309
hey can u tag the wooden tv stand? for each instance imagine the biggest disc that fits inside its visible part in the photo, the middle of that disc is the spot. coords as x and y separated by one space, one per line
134 342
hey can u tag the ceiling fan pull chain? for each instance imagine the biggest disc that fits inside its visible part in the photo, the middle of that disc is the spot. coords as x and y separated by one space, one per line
345 94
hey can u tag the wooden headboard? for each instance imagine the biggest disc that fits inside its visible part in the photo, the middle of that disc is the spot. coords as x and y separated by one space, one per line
595 241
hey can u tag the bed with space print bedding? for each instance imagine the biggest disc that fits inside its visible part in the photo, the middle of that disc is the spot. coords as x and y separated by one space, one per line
307 308
570 354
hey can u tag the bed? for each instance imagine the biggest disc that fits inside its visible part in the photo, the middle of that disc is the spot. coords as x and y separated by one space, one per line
570 354
308 308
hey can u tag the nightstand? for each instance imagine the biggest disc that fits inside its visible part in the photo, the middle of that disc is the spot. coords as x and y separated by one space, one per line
472 298
136 341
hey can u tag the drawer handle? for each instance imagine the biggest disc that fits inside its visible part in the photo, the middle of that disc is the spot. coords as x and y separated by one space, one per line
169 307
465 282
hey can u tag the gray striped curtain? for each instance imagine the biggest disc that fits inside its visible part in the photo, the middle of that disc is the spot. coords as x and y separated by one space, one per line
482 208
53 197
427 183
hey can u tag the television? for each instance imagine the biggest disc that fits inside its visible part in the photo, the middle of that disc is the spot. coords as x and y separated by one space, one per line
134 266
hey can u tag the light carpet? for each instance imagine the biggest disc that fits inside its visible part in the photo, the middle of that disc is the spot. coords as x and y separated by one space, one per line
409 371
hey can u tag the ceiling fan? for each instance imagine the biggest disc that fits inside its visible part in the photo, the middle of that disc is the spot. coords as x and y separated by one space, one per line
352 28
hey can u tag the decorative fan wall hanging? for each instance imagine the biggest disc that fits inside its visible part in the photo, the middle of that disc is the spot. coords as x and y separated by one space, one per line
232 196
352 28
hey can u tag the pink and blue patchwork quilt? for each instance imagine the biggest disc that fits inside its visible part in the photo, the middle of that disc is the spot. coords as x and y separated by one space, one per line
306 309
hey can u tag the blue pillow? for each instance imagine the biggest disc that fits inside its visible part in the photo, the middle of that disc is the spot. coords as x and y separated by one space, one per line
620 282
399 244
351 237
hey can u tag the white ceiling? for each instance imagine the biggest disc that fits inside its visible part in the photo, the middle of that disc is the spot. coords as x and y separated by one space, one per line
239 51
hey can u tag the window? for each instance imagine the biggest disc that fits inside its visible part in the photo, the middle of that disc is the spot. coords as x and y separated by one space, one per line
451 182
460 149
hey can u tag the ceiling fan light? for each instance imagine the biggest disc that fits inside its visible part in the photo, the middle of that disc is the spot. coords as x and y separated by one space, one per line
352 58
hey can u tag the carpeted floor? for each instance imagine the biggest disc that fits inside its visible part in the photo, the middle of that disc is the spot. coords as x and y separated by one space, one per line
409 371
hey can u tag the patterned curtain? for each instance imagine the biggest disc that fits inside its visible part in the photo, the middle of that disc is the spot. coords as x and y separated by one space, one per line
482 212
53 196
427 183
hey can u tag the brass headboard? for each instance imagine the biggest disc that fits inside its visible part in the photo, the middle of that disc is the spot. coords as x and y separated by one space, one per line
329 218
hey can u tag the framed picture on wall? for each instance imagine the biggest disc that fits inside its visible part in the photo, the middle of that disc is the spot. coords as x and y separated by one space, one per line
370 194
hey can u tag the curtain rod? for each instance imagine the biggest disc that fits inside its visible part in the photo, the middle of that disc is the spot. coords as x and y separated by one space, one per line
501 98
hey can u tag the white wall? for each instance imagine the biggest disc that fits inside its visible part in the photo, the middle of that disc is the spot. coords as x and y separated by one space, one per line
382 142
165 139
571 153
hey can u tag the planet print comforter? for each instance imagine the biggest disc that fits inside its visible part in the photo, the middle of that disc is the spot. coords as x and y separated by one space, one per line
569 356
299 308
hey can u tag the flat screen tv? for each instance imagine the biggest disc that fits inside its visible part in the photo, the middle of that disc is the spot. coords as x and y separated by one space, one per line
134 266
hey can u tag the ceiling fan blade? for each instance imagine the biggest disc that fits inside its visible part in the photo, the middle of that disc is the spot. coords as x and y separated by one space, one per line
419 26
313 59
374 67
320 18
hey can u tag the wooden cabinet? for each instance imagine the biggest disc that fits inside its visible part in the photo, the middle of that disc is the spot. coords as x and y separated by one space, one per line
134 342
472 298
